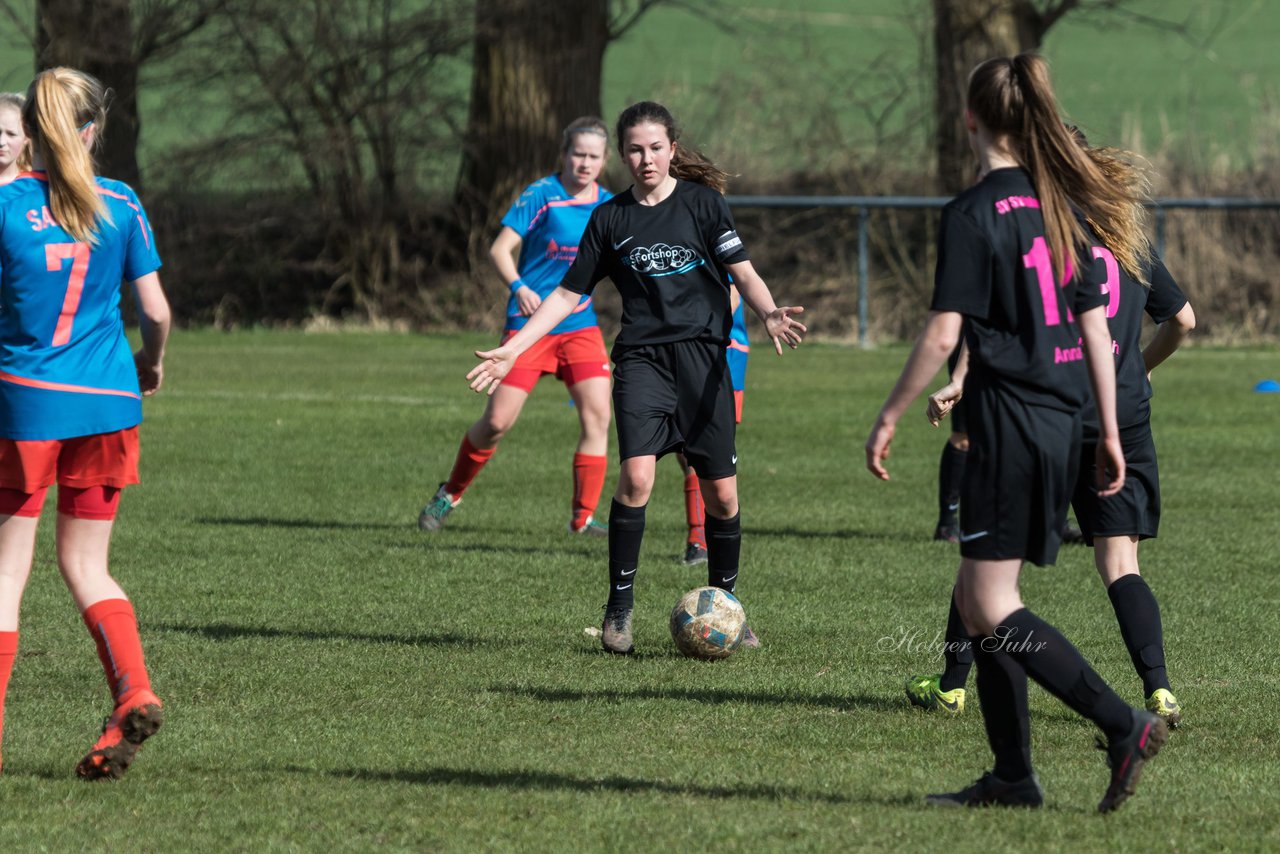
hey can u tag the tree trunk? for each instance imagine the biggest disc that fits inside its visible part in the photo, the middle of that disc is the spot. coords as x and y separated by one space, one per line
96 36
965 33
536 67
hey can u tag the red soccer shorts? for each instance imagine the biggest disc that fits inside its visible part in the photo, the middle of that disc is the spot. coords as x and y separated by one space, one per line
571 356
103 459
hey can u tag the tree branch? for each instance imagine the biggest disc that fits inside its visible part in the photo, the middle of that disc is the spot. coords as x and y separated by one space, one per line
159 30
1045 17
623 18
1049 13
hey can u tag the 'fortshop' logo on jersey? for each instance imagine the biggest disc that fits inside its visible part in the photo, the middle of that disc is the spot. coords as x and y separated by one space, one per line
662 260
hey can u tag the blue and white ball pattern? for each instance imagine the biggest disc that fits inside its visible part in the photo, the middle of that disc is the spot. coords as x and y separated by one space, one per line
708 623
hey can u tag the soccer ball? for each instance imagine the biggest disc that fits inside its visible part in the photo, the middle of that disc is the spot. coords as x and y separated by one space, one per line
708 623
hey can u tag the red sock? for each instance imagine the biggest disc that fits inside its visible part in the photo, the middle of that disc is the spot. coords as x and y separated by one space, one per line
465 468
8 651
588 480
695 515
115 631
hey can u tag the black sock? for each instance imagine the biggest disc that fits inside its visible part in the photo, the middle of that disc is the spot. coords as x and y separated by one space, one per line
1059 668
950 473
724 545
1002 690
957 651
626 530
1139 616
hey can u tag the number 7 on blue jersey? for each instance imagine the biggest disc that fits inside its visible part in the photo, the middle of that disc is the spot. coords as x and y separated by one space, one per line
54 255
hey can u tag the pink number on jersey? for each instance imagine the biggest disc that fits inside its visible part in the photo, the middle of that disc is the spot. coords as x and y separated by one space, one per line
1111 287
1039 260
54 255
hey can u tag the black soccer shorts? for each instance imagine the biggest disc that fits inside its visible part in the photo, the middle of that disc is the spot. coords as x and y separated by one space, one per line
1018 477
1135 509
676 397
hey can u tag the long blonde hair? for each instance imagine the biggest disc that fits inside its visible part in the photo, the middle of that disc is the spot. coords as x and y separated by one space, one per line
1125 169
60 103
1013 97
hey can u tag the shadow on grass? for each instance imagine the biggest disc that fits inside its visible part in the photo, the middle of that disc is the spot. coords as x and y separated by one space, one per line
422 540
309 524
549 781
227 631
502 548
712 696
844 534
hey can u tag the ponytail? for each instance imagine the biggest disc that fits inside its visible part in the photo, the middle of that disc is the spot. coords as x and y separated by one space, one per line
687 163
60 102
1014 97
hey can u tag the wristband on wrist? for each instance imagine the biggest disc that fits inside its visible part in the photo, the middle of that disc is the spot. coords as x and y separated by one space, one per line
516 285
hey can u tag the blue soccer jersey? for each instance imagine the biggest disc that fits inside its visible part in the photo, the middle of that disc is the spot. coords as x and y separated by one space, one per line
739 347
550 223
66 368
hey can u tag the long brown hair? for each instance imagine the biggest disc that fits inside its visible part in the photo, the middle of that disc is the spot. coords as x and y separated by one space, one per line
687 163
60 102
1013 97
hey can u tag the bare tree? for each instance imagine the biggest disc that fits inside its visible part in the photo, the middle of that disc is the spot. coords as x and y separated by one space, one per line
110 39
350 96
967 32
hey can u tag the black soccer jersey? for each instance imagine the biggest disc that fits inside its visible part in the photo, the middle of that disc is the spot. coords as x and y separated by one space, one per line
1127 299
667 262
994 267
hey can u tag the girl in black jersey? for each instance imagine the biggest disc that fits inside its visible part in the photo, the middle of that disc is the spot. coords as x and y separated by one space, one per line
1009 250
669 245
1115 524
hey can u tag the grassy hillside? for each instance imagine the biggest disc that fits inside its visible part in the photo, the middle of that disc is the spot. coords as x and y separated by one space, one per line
803 84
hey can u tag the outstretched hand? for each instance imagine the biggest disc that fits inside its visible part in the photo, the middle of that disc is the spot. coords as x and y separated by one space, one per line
878 447
496 364
942 401
780 327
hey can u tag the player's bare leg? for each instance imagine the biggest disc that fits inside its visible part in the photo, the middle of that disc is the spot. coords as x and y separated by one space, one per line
83 546
17 547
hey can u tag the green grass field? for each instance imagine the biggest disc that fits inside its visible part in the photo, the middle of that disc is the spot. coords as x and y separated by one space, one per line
336 679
